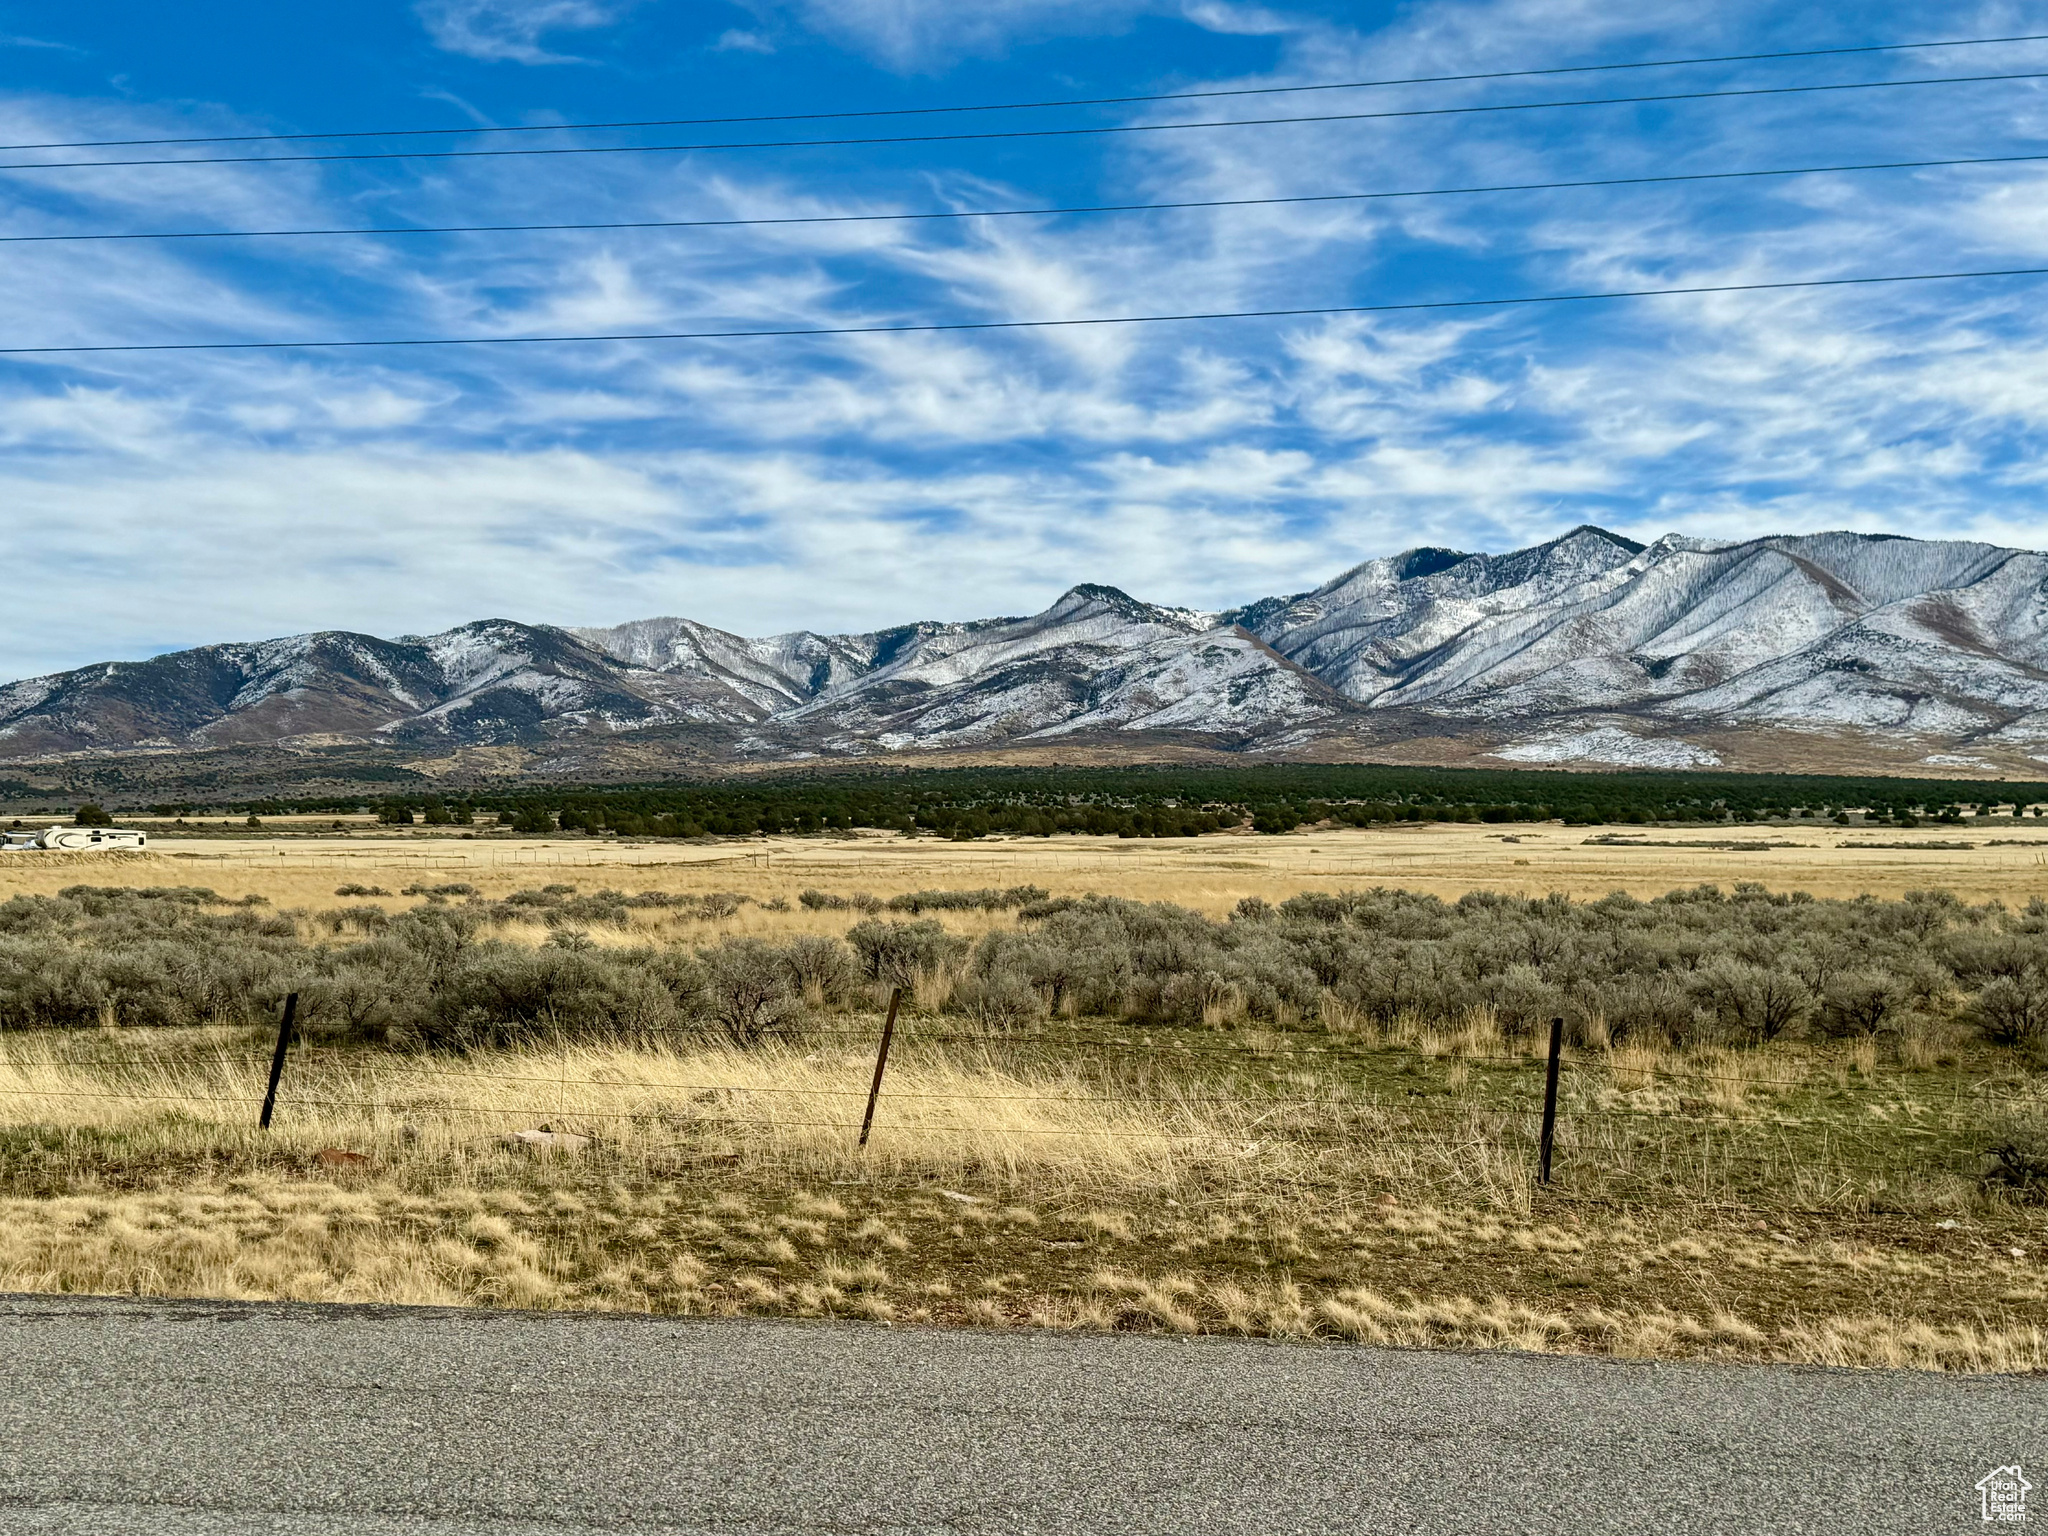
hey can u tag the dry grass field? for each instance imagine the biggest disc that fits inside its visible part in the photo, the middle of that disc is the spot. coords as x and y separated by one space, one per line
303 858
1813 1200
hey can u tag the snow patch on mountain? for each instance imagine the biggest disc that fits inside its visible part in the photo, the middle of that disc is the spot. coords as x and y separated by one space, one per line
1225 682
761 676
1612 746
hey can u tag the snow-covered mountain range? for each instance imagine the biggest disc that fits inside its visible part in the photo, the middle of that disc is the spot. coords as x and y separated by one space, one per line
1588 649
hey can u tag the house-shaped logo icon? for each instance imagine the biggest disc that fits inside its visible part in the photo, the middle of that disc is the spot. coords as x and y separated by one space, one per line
2004 1493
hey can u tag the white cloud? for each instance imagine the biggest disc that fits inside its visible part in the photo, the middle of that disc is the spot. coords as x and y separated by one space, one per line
510 31
1475 472
1228 475
1242 20
932 33
915 34
596 294
923 34
91 419
374 409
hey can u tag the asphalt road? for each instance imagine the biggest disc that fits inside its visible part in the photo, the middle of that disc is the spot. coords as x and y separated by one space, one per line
177 1418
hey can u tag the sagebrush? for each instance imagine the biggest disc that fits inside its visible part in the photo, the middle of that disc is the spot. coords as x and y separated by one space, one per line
1694 968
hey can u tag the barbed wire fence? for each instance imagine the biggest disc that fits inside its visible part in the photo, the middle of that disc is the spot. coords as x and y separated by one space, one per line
1568 1123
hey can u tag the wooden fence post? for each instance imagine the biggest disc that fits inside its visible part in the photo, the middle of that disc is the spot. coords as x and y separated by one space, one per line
1550 1101
881 1061
284 1041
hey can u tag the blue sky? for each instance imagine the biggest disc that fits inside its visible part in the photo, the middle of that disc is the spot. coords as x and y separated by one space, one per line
159 500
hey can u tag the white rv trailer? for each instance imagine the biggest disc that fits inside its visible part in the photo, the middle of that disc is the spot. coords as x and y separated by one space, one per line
73 840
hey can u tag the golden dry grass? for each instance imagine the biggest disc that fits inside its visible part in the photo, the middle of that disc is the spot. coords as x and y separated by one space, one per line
1210 874
1284 1310
922 1254
793 1109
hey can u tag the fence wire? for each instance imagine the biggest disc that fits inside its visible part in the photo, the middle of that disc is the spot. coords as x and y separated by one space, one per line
412 1066
1740 1141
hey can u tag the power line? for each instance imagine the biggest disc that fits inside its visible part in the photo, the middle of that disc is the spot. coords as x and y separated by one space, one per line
1011 213
1020 133
1031 325
1020 106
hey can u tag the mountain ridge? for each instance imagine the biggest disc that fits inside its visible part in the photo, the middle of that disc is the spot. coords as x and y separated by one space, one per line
1589 648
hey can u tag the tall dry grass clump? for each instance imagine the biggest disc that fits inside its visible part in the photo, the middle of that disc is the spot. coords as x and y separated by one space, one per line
773 1105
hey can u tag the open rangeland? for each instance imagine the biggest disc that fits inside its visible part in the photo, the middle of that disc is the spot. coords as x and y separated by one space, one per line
1240 1117
300 859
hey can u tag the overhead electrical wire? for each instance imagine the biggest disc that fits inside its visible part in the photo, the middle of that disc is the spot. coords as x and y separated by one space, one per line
1097 130
1012 213
1022 106
1027 325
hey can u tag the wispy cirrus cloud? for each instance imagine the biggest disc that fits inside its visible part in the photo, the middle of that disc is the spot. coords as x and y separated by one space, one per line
927 34
510 31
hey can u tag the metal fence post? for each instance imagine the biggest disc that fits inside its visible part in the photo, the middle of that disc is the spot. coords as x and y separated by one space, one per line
284 1041
881 1061
1550 1101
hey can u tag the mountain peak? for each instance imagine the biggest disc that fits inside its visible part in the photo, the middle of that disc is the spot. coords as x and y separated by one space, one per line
1091 594
1092 597
1425 560
1595 531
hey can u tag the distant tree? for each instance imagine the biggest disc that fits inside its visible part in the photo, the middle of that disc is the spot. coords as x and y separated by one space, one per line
91 815
253 821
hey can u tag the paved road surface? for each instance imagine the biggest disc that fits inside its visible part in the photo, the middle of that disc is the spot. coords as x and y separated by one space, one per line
173 1419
